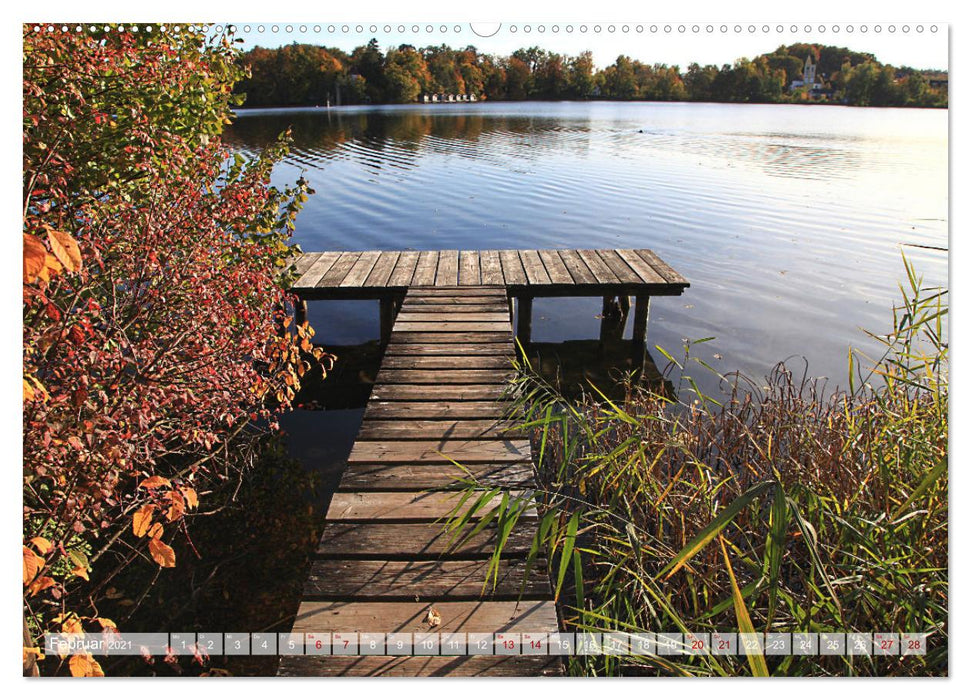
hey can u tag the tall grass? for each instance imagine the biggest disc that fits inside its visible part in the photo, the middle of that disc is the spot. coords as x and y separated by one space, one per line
775 507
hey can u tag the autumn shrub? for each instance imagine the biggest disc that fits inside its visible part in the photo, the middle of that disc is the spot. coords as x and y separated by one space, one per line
778 506
154 312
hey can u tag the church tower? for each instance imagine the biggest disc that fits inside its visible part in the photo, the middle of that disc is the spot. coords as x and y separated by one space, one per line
809 72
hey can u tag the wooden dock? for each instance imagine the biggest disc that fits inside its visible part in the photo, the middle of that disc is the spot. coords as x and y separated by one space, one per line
383 559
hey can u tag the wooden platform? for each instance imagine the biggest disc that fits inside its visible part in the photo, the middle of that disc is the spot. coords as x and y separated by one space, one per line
331 275
383 558
446 323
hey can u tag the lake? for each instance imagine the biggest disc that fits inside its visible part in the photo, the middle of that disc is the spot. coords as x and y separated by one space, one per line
788 220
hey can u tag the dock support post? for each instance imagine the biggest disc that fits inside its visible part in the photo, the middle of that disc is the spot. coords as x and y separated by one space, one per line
642 307
524 322
387 318
300 311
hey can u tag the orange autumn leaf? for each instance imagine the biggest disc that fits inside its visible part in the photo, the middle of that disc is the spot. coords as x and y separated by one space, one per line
191 497
39 584
142 520
33 652
71 625
42 544
177 508
80 572
32 564
154 482
35 256
65 249
28 391
161 553
84 666
107 623
155 531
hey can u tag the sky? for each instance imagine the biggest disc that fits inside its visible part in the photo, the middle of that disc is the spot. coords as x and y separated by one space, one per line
922 45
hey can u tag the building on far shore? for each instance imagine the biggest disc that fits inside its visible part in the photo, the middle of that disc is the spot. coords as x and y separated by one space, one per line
429 98
808 76
814 88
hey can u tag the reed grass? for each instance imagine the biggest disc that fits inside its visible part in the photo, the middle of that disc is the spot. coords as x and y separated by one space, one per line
777 506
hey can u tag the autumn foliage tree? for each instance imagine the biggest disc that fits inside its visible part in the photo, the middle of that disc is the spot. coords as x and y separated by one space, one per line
154 300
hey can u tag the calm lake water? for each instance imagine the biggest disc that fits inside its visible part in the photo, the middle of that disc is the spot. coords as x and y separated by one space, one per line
787 220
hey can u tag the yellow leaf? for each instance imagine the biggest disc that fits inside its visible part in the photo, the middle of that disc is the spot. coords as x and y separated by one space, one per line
161 553
177 508
28 391
65 249
43 544
191 497
107 624
33 651
154 482
81 665
433 618
35 255
142 519
72 625
32 564
39 584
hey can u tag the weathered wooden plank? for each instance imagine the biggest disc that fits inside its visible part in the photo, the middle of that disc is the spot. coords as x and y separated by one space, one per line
503 348
338 271
414 541
416 477
428 429
458 361
426 268
421 666
457 309
453 301
315 272
404 269
448 268
598 267
616 264
454 290
491 267
644 271
662 267
457 314
303 262
361 269
382 269
456 326
578 269
512 267
469 268
440 451
487 616
428 581
444 376
409 410
473 337
535 270
424 392
555 267
426 506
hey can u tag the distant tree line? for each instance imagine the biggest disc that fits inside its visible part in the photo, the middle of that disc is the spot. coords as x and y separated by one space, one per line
302 74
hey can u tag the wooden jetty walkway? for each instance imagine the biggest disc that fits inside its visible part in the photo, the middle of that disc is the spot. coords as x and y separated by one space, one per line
383 559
